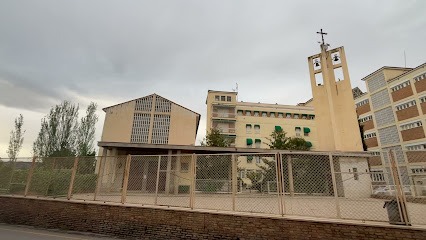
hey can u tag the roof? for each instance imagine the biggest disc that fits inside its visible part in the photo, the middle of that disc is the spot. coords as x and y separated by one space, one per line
408 72
154 94
204 149
384 68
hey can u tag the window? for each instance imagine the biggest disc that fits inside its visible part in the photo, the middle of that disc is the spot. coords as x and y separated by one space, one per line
400 86
288 115
240 112
264 114
363 102
355 171
248 113
217 98
312 117
228 98
298 130
256 128
257 159
423 99
248 128
257 143
369 135
365 119
296 116
420 77
184 166
256 113
249 142
416 147
377 176
243 173
306 131
411 125
222 98
406 105
419 170
249 159
280 115
271 114
304 116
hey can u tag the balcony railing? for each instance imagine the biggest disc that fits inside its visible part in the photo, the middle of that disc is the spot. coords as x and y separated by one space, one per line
227 130
223 115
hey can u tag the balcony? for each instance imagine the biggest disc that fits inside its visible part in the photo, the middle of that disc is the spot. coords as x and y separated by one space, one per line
230 131
223 115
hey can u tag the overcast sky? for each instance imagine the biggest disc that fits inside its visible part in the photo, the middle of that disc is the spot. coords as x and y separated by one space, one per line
113 51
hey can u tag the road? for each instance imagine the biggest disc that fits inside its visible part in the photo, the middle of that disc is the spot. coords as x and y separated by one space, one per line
27 233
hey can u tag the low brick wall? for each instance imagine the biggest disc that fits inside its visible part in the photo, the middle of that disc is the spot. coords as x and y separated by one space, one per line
158 223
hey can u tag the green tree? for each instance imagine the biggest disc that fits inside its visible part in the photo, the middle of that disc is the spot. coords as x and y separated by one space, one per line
213 171
215 138
16 139
61 134
86 132
279 141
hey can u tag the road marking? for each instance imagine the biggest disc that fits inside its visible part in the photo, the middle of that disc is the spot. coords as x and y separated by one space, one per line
42 234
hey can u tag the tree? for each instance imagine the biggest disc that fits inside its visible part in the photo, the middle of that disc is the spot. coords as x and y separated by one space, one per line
215 138
213 170
57 136
86 132
278 141
16 139
61 134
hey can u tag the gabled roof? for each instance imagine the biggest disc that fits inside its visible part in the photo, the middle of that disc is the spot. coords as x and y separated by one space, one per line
408 72
153 95
385 68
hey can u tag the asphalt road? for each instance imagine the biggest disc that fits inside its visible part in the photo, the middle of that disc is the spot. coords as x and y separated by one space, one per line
11 232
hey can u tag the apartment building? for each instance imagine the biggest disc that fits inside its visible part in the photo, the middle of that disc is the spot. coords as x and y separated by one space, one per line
392 114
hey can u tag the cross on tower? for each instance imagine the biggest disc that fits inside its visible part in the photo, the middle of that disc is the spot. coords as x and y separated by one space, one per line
322 36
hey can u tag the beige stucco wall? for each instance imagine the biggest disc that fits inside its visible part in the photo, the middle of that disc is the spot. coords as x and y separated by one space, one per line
183 126
118 123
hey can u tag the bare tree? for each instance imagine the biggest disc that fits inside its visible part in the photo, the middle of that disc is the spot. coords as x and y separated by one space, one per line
16 138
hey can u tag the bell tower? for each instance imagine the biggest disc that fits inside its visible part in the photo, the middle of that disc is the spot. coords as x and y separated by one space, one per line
334 106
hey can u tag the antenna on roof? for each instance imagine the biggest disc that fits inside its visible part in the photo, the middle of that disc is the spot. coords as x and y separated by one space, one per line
236 88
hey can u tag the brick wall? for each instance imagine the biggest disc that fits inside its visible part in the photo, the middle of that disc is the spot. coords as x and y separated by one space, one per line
413 133
375 161
155 223
371 142
420 86
416 156
407 113
363 109
423 105
402 93
368 125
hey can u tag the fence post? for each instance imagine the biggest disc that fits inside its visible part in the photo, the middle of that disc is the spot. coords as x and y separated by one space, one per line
30 175
158 180
126 179
399 192
100 174
333 178
290 175
74 171
234 180
193 180
280 183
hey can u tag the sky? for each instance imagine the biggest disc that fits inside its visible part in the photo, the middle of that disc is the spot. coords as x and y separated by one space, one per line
109 52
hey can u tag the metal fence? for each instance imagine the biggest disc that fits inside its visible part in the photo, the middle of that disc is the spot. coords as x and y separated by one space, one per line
314 184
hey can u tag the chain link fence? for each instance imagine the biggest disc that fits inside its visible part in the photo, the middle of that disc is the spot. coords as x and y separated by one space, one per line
315 184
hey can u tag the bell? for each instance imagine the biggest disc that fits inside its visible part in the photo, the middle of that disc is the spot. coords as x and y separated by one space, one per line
316 63
336 58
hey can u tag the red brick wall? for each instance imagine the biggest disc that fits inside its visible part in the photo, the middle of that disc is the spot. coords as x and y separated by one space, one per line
375 161
423 105
371 142
402 93
420 86
407 113
363 109
150 223
368 125
413 133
